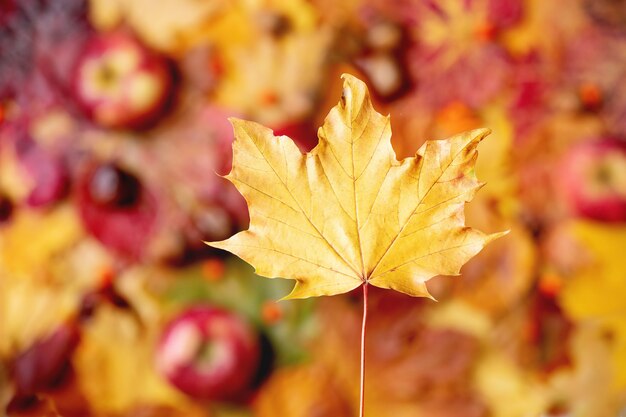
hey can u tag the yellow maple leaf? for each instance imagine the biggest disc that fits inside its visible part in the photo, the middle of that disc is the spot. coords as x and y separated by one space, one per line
348 212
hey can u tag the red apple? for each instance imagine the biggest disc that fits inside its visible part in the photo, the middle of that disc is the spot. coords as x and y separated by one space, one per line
120 83
116 208
209 353
593 180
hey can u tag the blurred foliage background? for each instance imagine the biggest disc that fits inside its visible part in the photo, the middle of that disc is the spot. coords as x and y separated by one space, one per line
113 127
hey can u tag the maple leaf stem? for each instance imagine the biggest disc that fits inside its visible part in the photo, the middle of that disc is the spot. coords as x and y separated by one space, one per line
363 327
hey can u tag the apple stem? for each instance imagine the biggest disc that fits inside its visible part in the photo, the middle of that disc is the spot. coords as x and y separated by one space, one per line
362 403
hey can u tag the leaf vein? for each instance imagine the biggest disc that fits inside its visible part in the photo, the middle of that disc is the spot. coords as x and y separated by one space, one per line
238 245
332 151
439 252
288 225
376 197
264 193
330 184
380 138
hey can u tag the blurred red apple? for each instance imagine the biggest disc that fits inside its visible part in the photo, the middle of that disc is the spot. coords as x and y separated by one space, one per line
116 208
209 353
593 180
120 83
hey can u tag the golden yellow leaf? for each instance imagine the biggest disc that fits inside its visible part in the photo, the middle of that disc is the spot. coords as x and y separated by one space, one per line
56 231
595 293
348 212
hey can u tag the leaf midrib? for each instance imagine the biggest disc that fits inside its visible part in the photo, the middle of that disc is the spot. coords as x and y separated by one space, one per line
354 179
